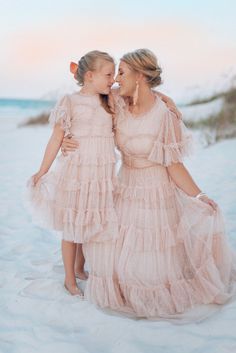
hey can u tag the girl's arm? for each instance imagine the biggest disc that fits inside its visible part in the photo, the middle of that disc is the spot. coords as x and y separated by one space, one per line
181 177
51 152
170 104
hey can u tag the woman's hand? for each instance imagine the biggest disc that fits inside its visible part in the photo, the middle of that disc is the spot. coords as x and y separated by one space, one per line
35 178
207 200
185 182
68 145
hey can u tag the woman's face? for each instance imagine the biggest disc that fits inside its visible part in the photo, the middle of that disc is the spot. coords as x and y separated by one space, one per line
126 78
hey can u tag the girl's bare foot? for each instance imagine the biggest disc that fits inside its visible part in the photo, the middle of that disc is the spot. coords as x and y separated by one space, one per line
81 274
74 290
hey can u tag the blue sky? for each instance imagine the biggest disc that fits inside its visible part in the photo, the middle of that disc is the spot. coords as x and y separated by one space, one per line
194 40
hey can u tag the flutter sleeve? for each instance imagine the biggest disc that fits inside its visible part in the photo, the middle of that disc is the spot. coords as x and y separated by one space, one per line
61 113
174 141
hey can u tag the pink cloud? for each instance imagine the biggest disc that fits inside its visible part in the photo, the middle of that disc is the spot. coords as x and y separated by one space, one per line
187 52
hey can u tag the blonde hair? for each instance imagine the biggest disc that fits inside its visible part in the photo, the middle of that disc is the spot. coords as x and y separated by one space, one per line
88 62
145 62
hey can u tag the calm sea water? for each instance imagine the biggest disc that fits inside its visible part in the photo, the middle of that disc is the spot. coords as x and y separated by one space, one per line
15 111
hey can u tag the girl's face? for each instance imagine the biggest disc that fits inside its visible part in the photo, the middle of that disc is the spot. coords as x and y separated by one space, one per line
103 77
126 78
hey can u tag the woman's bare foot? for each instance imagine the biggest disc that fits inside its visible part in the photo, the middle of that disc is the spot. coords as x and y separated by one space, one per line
81 274
73 289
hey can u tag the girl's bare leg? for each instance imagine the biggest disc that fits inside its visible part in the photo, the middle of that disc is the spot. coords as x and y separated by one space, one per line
79 263
68 255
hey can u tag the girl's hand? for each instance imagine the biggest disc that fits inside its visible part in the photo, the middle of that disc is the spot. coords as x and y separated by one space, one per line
205 198
170 104
172 107
35 178
69 145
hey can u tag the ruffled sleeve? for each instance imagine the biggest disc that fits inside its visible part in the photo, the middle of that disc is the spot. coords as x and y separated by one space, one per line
174 141
62 114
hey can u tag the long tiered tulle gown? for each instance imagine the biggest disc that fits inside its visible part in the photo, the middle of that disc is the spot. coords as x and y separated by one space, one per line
76 197
172 253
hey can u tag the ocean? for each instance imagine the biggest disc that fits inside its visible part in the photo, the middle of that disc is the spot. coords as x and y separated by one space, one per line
15 111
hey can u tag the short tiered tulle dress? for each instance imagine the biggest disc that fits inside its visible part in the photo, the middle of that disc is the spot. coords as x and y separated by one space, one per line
172 253
76 197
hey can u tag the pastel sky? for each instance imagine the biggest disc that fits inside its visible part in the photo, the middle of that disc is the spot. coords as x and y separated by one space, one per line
194 40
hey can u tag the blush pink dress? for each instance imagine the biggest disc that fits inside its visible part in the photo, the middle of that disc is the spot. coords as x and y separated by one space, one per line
76 197
172 253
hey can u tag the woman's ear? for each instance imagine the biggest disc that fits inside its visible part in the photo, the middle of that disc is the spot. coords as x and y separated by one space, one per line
141 77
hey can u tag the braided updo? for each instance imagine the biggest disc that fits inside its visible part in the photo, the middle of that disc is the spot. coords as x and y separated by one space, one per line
144 61
88 62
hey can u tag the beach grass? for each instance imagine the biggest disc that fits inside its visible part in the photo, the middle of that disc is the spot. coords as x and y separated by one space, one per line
221 125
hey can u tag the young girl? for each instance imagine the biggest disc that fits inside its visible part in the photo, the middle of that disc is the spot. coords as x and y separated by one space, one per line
76 197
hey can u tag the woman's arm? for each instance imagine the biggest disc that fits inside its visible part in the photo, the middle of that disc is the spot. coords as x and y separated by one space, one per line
51 152
70 145
181 177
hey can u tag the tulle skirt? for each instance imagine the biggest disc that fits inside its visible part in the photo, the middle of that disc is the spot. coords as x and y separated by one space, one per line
171 256
76 197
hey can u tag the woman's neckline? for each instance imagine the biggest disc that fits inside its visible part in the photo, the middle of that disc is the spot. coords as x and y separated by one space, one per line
139 116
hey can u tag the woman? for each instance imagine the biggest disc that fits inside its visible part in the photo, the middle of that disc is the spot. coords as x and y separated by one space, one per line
172 253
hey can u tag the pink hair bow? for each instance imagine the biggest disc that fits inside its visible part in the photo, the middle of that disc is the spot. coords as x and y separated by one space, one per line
73 68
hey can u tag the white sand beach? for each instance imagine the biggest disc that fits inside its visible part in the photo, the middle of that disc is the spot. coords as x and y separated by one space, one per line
37 315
